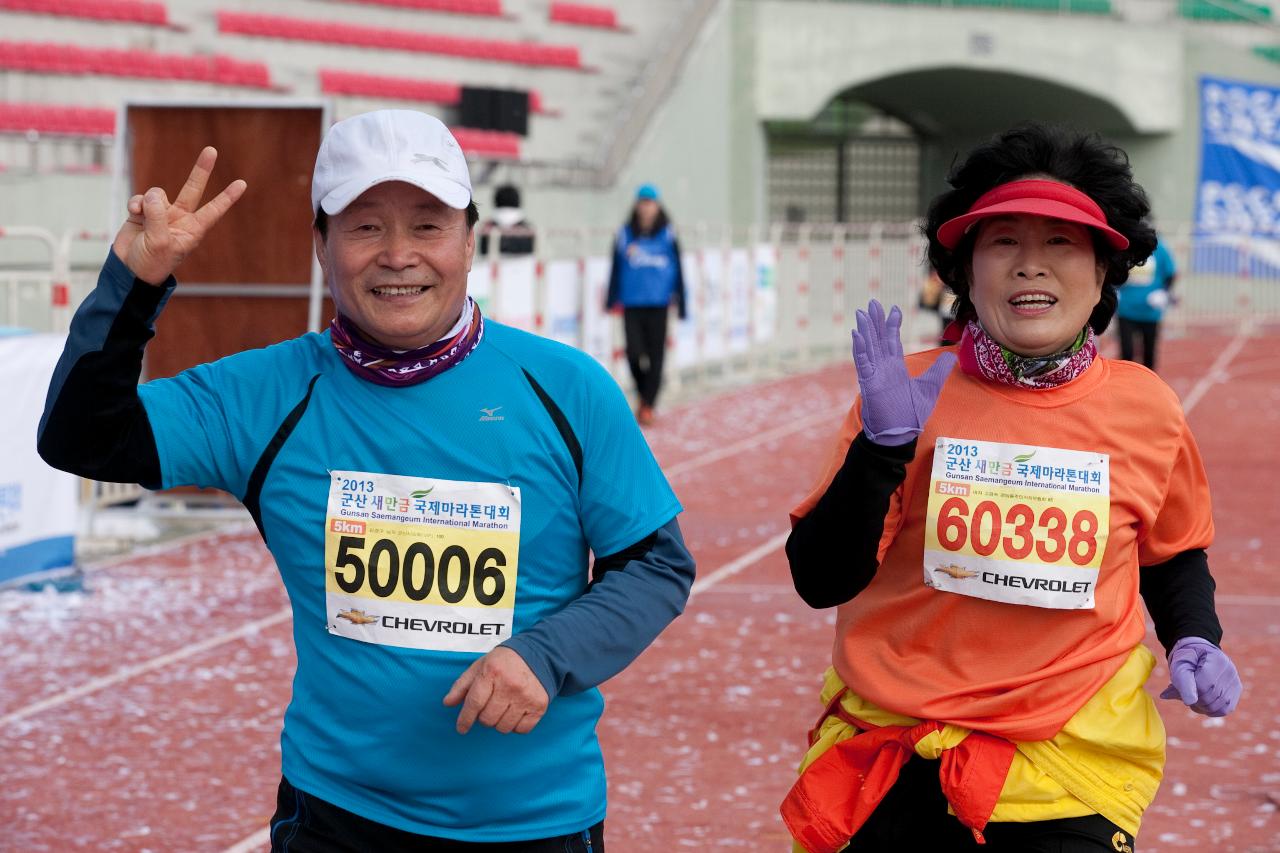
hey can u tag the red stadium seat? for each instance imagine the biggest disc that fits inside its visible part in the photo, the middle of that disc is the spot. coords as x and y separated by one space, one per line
57 120
377 85
489 8
496 144
300 29
583 15
124 11
333 82
51 58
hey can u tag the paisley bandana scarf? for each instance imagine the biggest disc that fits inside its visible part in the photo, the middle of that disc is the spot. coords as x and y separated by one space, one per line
981 355
383 366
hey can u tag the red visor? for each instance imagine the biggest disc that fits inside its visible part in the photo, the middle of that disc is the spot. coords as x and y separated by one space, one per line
1038 198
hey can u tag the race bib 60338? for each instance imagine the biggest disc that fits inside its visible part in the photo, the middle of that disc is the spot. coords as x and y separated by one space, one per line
421 563
1017 523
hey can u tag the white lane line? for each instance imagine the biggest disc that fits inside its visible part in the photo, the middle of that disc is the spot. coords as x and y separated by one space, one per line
1217 372
747 560
257 841
756 589
827 417
128 672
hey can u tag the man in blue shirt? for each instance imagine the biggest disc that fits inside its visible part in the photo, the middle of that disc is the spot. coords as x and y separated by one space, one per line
430 483
1142 303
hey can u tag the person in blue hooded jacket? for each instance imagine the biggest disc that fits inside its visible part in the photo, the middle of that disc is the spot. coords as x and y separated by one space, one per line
1143 300
645 280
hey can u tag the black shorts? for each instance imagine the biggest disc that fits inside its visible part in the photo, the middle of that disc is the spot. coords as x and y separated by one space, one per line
306 824
913 816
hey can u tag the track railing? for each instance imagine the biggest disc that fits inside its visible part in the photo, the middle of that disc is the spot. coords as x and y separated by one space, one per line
761 299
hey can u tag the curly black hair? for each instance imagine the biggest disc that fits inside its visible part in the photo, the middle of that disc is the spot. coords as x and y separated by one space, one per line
1082 160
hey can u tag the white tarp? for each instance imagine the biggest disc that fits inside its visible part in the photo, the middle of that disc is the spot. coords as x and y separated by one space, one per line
766 297
711 305
686 350
514 300
38 507
740 286
563 302
597 325
480 285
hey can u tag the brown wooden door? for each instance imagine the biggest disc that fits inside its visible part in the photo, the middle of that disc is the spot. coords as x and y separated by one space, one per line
257 261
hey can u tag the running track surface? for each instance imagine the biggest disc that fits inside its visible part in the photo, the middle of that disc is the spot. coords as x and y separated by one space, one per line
143 714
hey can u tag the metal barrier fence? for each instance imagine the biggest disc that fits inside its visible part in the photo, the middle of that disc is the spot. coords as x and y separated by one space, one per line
1222 282
760 300
34 295
790 291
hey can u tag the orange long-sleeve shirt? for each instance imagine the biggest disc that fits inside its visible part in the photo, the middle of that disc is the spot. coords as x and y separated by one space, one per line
1010 670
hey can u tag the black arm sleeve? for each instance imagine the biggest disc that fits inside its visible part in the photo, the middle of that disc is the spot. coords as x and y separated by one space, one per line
619 560
94 423
679 286
634 595
832 550
615 279
1179 596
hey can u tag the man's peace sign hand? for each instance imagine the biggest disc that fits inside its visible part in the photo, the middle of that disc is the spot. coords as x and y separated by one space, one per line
158 234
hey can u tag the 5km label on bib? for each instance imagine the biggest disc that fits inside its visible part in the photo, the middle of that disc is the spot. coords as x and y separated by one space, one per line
1017 523
419 563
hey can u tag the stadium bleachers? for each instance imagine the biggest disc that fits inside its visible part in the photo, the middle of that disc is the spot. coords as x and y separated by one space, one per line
1072 7
583 15
1240 11
358 54
60 120
400 88
382 86
382 38
487 8
488 143
51 58
123 11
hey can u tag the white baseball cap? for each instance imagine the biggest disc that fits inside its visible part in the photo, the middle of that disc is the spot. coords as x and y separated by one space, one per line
389 145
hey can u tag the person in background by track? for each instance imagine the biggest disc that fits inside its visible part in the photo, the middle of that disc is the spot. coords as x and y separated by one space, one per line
991 533
936 298
515 234
645 280
1143 301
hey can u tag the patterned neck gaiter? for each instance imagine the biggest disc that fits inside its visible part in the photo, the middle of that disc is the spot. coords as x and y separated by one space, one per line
981 355
383 366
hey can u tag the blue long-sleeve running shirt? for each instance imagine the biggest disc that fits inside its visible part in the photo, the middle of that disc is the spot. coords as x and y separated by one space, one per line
415 528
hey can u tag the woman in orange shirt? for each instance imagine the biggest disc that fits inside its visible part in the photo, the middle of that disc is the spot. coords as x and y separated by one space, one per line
989 534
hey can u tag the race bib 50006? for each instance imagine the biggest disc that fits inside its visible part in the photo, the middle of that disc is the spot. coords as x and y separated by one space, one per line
418 563
1018 524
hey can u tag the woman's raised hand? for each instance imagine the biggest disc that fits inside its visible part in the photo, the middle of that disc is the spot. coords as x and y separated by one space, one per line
894 405
158 234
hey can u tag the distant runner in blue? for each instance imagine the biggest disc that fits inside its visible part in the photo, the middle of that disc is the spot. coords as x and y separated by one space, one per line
1142 303
431 484
645 280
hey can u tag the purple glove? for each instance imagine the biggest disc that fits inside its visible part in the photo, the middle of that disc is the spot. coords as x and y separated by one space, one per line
894 406
1203 677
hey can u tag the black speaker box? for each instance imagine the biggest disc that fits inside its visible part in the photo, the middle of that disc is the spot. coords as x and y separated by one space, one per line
485 108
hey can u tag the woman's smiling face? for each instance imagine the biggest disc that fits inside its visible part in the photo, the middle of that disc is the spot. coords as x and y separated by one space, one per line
1034 281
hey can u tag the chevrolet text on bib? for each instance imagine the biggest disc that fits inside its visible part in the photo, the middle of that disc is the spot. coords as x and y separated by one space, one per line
421 563
1017 523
